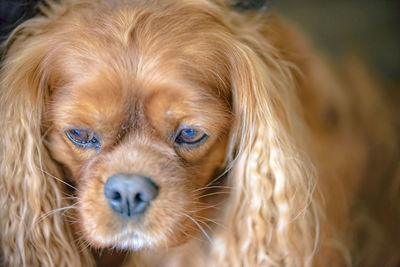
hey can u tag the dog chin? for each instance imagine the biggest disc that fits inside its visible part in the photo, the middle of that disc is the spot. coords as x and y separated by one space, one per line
134 243
126 241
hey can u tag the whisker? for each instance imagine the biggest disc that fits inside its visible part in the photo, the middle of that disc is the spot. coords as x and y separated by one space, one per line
204 207
83 244
71 198
58 179
44 136
206 224
208 219
214 193
212 187
198 225
71 218
189 235
220 176
72 221
47 214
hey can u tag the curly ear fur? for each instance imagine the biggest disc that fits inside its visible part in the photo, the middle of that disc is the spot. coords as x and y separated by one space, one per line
34 232
274 220
277 212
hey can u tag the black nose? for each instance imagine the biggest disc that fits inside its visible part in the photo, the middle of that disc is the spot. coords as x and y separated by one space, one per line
130 194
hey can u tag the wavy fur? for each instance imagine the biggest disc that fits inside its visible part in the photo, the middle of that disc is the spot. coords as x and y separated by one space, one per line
298 155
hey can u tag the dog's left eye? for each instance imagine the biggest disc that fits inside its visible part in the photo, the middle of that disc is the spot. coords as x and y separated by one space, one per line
83 138
190 136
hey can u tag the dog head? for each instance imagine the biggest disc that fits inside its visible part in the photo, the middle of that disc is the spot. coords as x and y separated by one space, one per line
146 105
140 114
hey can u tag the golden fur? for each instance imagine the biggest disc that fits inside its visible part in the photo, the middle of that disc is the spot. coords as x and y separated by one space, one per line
299 168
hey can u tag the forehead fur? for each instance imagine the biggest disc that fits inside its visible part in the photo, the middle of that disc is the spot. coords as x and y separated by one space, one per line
166 42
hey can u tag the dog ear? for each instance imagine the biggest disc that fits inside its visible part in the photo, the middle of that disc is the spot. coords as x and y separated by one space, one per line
272 218
34 231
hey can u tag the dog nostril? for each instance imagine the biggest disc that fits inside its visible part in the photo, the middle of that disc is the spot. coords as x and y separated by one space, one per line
139 198
130 195
116 196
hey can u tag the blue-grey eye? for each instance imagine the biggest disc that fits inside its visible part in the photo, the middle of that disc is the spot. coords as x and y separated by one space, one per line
82 137
190 136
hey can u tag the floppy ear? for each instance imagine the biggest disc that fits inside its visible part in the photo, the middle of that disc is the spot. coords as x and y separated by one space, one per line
33 230
271 217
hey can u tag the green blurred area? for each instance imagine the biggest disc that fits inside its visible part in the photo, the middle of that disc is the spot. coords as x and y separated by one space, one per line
370 28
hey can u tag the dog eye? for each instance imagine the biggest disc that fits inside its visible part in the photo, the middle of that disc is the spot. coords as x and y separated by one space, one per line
191 137
84 138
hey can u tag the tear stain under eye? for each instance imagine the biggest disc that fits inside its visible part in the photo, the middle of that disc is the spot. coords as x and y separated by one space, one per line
332 116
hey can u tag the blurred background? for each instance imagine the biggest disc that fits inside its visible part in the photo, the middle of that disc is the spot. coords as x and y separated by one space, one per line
369 28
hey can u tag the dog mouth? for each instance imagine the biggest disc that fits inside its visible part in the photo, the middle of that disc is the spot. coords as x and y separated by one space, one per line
133 234
121 232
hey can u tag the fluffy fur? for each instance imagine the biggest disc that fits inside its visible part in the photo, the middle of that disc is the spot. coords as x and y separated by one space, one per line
299 168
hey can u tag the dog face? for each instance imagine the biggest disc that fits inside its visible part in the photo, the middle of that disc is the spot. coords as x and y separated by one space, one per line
145 104
140 115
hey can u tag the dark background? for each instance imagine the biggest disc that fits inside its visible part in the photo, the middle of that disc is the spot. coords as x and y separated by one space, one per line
368 28
13 12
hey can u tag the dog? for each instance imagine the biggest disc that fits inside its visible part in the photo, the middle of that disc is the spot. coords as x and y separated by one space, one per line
189 134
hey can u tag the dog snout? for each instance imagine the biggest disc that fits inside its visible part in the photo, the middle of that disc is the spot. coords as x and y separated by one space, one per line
130 194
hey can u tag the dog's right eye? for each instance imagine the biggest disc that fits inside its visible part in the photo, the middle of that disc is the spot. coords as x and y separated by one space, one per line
190 137
84 138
